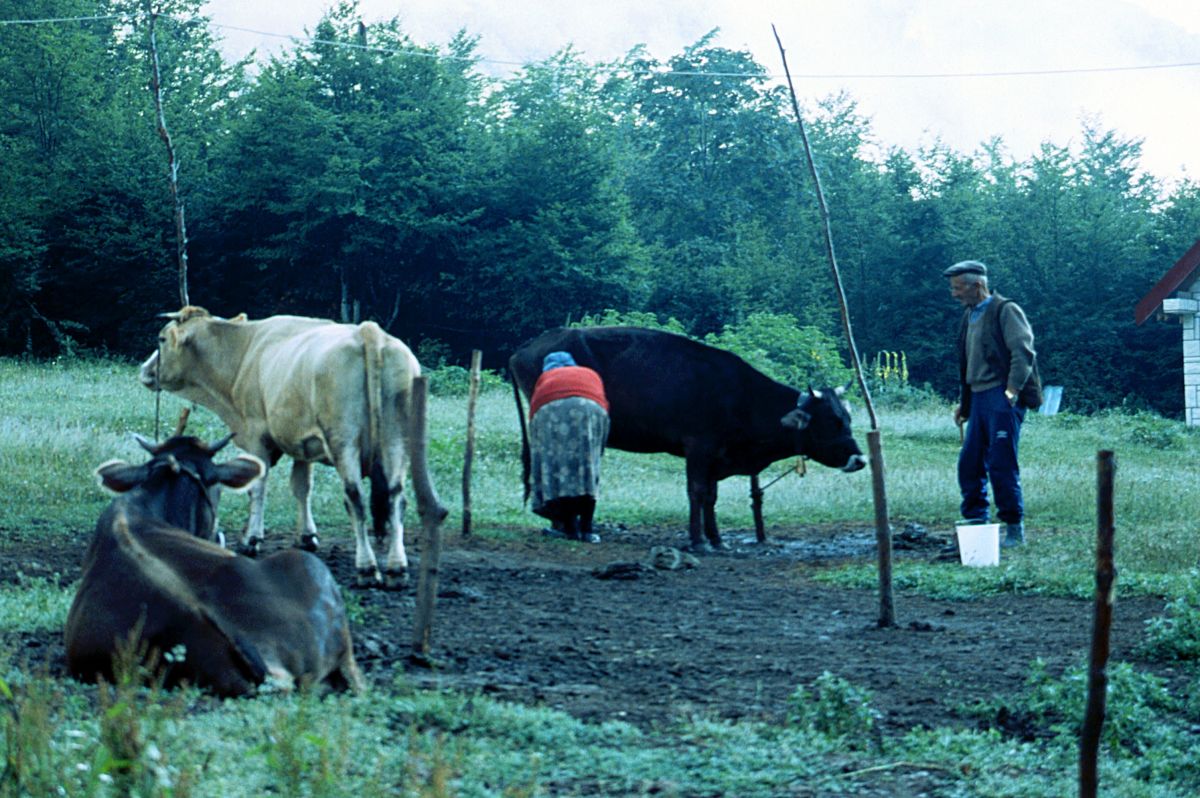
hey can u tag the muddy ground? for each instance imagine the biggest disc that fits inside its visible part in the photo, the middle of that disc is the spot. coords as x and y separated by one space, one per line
529 620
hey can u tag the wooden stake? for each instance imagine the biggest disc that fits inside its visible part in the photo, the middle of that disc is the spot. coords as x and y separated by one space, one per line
883 529
756 497
431 523
469 454
1106 575
883 532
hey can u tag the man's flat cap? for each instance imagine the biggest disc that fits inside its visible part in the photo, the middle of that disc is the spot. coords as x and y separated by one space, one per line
966 267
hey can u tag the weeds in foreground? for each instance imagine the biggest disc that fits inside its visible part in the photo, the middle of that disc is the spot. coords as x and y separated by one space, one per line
27 713
837 709
1148 731
1175 635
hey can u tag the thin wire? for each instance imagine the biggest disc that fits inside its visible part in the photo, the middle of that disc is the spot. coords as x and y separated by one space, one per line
1013 73
57 19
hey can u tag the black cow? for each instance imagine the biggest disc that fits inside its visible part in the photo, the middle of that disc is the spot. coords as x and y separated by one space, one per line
153 576
668 393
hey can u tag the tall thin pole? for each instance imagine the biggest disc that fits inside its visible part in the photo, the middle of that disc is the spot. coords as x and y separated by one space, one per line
1106 575
828 231
172 163
883 528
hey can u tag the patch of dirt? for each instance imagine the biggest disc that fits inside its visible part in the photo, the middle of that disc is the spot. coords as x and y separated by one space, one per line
528 620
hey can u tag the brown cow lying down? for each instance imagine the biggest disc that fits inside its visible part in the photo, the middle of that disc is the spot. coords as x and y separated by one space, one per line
228 621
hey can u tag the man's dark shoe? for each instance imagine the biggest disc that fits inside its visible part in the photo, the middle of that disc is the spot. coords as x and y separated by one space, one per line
1014 535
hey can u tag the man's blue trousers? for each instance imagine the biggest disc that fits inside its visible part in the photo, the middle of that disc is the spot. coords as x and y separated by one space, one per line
990 451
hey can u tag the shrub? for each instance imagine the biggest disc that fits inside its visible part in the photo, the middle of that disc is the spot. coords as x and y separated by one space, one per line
775 344
1136 706
455 381
778 346
1175 635
837 709
630 318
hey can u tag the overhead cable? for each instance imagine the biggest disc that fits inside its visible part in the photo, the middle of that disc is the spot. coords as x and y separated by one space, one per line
1010 73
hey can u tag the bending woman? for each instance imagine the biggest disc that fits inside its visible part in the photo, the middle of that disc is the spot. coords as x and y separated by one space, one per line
568 426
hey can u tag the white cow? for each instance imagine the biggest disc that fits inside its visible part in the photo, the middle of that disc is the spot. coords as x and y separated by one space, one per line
338 394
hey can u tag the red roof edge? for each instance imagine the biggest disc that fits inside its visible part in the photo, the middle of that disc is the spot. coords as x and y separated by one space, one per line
1170 281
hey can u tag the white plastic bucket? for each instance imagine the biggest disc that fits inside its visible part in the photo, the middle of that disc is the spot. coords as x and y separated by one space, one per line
979 544
1051 399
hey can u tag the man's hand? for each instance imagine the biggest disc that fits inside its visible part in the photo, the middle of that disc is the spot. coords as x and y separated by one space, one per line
958 416
1011 397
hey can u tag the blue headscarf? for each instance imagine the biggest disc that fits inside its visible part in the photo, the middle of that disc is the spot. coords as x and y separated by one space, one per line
556 360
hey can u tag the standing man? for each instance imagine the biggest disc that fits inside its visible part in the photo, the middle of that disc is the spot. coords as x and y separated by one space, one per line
998 374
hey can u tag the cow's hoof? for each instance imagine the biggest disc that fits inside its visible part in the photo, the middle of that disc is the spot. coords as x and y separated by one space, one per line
368 578
709 548
250 547
309 543
396 580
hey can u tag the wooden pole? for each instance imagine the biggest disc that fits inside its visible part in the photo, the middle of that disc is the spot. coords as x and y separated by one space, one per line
1106 575
172 163
431 523
883 529
469 454
828 231
756 499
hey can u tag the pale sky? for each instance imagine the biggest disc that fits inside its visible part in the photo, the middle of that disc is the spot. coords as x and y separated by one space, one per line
861 37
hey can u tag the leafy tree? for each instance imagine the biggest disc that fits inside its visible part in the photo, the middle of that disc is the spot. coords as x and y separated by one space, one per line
350 175
554 238
98 204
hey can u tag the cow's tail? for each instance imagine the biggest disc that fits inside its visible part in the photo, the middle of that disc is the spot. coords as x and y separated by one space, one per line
372 337
525 456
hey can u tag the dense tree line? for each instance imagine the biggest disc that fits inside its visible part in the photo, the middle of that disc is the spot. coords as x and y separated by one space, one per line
364 175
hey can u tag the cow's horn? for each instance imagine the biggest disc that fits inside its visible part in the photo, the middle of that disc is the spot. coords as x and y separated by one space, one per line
815 393
221 444
173 315
171 461
146 443
183 420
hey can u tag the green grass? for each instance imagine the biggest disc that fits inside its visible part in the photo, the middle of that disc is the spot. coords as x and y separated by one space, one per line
59 420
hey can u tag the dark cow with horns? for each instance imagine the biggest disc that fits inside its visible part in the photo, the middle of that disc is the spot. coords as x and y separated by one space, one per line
153 576
668 393
319 392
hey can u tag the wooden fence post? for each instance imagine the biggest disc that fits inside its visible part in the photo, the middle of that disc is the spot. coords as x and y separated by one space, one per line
883 531
1106 575
431 531
469 454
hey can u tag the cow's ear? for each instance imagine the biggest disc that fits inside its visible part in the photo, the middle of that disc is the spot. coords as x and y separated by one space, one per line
240 472
120 477
796 419
173 337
